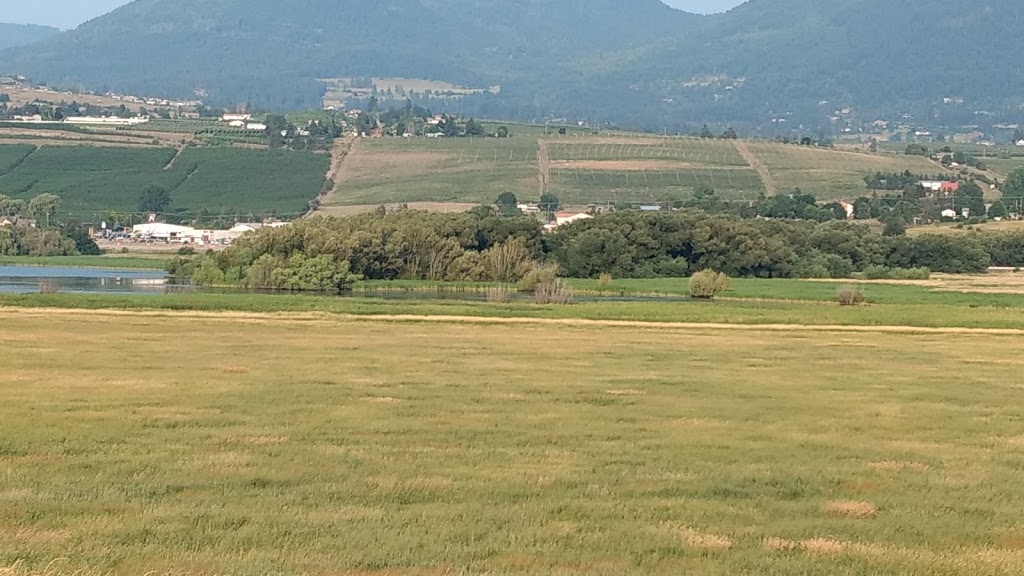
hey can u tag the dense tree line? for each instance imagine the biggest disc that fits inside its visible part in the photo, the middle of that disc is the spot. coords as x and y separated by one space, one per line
328 254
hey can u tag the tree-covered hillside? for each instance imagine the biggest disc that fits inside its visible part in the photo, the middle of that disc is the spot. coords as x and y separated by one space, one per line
19 34
639 64
261 52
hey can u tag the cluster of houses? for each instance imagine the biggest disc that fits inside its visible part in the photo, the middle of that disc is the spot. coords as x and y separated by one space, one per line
84 120
176 234
244 121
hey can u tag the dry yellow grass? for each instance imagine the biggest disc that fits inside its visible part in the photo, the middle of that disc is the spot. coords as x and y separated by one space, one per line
516 448
851 509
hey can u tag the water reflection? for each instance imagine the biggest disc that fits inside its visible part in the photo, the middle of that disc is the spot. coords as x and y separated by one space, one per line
30 279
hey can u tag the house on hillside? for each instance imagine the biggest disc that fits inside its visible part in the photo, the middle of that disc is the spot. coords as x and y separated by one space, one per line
848 208
949 187
256 126
17 222
949 214
1020 143
236 117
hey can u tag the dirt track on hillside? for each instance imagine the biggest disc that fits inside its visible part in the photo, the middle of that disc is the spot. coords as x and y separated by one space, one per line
757 165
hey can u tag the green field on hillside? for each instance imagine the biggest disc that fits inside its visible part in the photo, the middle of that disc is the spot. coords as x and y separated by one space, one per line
832 174
93 180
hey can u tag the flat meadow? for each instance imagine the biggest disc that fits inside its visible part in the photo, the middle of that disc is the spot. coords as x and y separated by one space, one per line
244 443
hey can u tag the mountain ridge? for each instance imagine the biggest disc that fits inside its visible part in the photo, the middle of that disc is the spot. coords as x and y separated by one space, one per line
649 66
14 35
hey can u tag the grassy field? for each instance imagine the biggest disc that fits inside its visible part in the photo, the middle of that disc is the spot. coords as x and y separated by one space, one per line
832 174
460 170
251 445
134 261
93 180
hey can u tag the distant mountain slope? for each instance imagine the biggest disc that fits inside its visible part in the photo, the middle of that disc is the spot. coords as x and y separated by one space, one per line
640 64
12 35
775 58
269 53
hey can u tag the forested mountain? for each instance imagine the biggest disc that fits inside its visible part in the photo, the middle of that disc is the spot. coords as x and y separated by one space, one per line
19 34
270 53
637 63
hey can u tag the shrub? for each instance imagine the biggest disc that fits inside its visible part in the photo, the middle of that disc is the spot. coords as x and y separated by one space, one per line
850 295
887 273
538 275
553 292
186 251
48 287
605 280
706 284
498 294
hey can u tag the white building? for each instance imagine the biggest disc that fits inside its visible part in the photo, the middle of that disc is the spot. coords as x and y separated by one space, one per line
106 121
242 228
236 124
563 218
256 126
1020 143
236 117
162 231
949 214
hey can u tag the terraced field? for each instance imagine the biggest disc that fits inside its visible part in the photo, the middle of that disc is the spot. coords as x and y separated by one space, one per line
607 169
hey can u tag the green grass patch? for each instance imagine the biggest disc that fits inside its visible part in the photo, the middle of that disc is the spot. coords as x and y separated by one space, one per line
110 261
93 181
952 314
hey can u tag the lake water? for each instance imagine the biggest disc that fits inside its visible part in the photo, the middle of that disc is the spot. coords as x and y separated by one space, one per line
29 279
35 279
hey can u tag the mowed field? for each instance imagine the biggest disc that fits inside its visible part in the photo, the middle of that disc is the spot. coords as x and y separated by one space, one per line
252 444
587 169
93 180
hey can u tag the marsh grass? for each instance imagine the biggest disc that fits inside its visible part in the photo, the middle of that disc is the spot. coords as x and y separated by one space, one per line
249 445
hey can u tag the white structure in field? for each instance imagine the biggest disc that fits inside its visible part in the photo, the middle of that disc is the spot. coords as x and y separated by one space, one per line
106 120
256 126
236 117
563 218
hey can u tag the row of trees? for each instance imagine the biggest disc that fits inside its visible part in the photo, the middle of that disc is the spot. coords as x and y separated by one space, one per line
42 208
328 254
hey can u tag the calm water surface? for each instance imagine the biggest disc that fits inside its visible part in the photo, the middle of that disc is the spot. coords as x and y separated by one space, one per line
28 279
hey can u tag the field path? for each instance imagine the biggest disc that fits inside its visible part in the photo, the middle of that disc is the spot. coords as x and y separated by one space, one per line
339 152
265 317
181 150
758 166
543 165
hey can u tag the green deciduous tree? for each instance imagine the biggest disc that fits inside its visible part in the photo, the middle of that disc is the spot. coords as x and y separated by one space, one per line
44 208
155 199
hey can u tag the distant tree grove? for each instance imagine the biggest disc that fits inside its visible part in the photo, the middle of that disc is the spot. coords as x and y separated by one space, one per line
329 254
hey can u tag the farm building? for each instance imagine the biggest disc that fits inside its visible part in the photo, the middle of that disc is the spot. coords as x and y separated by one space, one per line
563 218
256 126
105 120
162 231
236 117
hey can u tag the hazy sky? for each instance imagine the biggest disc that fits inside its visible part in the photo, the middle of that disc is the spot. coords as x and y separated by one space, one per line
71 13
